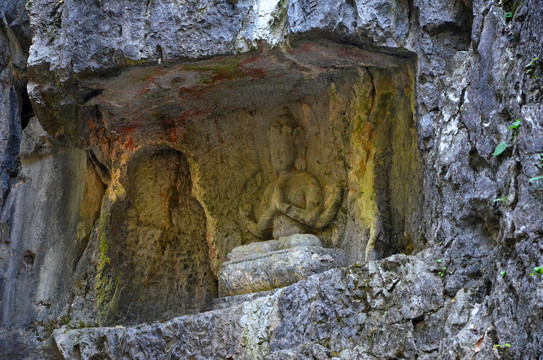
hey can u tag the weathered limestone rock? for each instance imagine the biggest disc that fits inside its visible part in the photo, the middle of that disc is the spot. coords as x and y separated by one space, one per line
35 140
408 131
341 312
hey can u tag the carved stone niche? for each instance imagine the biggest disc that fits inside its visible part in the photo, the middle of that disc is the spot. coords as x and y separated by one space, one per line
154 262
353 157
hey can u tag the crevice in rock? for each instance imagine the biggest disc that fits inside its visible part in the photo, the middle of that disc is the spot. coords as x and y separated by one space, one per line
26 108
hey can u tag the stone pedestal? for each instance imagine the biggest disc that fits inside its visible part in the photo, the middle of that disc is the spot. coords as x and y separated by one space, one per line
273 264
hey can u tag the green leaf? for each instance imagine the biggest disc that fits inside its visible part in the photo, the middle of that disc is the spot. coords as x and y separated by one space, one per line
515 125
531 63
503 199
503 273
500 148
536 178
439 261
508 15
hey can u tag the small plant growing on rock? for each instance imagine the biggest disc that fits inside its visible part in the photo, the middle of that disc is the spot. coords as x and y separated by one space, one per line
441 272
539 166
503 199
537 270
502 346
503 273
515 127
500 148
530 67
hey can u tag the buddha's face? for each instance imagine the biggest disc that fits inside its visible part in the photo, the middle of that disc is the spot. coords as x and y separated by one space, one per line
282 152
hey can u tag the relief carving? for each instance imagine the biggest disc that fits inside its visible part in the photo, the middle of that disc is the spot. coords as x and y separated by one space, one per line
294 202
293 205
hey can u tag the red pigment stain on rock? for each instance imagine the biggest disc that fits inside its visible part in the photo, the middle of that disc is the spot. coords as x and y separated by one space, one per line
255 73
172 134
183 134
250 60
350 52
195 92
304 49
128 129
224 74
190 114
129 144
175 127
151 79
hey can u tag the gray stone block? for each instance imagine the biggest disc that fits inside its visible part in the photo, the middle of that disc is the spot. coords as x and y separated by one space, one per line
276 269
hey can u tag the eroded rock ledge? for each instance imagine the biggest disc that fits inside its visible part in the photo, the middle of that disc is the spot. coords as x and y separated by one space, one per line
394 308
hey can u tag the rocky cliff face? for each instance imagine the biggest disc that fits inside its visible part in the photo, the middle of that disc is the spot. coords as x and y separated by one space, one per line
131 135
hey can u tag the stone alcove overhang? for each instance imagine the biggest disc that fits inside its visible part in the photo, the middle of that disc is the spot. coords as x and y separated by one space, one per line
356 108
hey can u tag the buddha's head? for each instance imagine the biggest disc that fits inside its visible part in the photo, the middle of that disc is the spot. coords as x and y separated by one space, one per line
284 143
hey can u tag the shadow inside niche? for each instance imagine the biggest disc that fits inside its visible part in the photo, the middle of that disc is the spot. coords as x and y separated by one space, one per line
158 258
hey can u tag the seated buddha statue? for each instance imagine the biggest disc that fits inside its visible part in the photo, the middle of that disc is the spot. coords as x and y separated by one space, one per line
293 202
292 206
